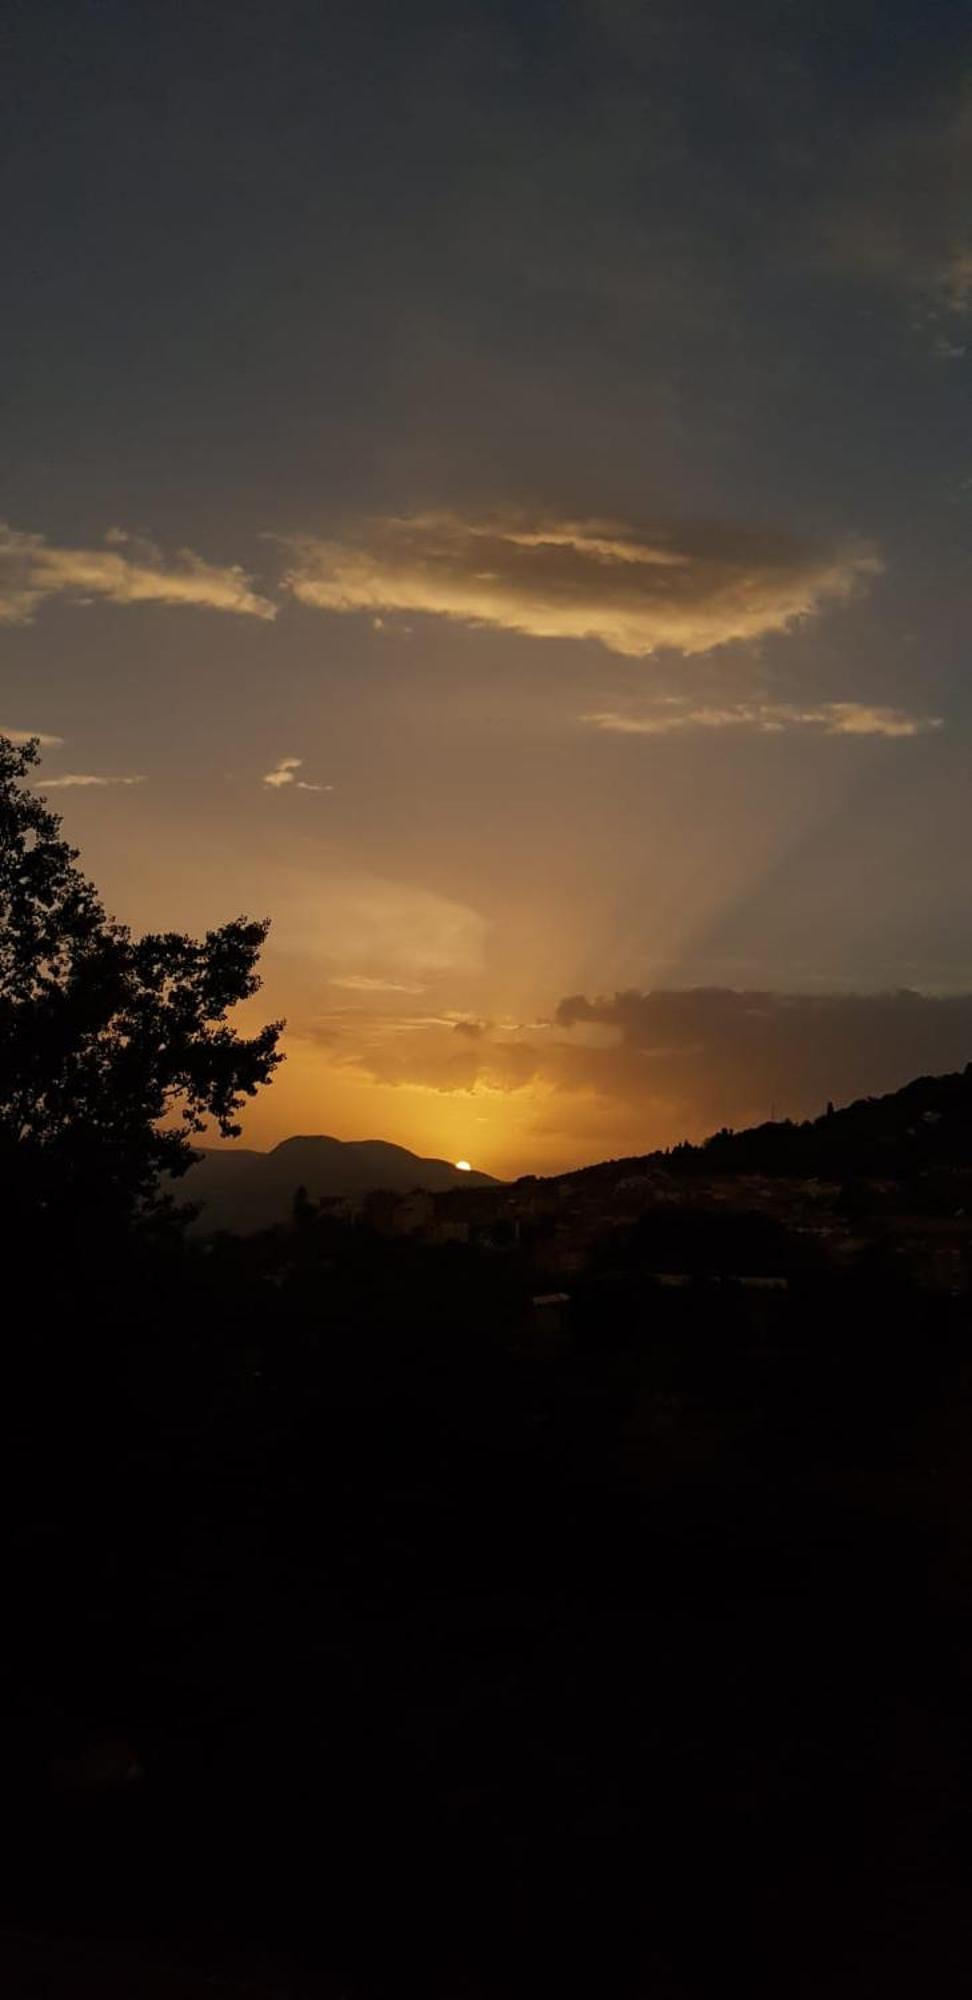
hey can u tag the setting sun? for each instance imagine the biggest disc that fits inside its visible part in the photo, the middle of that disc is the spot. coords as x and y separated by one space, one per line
464 1166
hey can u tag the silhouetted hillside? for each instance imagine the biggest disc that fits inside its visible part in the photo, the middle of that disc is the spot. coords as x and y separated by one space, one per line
925 1125
242 1190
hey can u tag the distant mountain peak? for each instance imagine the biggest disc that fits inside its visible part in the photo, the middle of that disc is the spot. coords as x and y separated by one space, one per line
244 1190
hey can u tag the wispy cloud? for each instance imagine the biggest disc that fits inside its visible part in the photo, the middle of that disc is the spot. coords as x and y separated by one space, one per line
635 591
956 278
32 736
669 716
898 214
70 779
285 773
377 935
363 982
127 570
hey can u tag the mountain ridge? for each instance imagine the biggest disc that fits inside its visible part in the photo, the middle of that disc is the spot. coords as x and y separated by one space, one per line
244 1189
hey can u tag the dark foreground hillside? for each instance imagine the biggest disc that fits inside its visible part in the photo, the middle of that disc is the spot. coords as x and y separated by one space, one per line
923 1127
371 1629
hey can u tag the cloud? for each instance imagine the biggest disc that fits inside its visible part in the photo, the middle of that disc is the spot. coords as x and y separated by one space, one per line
125 571
432 1051
32 736
635 1070
724 1056
373 935
363 982
944 349
285 773
956 279
671 715
689 589
69 779
898 213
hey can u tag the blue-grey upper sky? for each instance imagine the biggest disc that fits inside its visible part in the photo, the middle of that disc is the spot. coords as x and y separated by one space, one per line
498 477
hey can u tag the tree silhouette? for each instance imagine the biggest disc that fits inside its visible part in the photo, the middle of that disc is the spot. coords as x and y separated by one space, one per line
114 1051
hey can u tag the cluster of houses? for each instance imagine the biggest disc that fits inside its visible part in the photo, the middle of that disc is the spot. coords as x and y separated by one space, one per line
560 1226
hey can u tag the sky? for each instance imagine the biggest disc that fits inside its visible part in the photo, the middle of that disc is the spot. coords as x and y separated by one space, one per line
488 487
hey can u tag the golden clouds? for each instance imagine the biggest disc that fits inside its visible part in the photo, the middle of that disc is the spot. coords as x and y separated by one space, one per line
83 780
635 592
670 715
125 571
284 773
659 1066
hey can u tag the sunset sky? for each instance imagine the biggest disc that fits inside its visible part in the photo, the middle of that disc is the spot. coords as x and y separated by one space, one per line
489 487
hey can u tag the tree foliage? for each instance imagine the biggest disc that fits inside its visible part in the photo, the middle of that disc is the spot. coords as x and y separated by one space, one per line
115 1051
